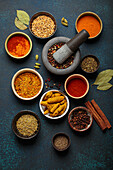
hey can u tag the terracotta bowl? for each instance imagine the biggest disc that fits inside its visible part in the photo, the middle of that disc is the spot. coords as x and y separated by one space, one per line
24 71
15 34
47 115
63 135
96 59
78 109
89 13
76 76
40 14
17 116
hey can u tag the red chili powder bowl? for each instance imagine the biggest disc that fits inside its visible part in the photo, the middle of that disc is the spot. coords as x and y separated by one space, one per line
76 86
18 45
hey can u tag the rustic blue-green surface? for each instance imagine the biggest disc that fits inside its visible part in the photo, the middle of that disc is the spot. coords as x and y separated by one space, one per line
92 150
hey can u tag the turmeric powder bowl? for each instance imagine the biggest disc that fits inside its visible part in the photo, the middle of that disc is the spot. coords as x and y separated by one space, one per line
91 22
18 45
54 104
27 84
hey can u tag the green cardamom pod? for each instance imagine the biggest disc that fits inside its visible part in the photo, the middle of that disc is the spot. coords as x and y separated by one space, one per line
36 57
65 24
36 66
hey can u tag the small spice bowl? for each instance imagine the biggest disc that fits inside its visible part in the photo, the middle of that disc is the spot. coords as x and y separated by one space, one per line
76 86
91 22
42 25
90 64
30 119
20 39
80 119
61 141
46 105
27 84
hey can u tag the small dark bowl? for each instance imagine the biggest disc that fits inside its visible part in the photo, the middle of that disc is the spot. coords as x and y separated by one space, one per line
71 114
17 116
61 134
97 60
39 14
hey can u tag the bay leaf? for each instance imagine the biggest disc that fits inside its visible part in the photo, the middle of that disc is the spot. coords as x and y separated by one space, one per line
104 77
104 86
19 24
23 17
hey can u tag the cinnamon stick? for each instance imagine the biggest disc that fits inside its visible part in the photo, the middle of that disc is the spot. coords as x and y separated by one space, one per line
100 112
98 119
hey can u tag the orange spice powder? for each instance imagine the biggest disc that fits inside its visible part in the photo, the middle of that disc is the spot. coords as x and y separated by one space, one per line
18 45
90 24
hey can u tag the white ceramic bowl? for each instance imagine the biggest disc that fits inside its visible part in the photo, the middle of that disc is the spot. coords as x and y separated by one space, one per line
47 115
15 34
23 71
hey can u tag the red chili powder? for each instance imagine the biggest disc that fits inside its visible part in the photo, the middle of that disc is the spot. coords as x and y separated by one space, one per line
76 87
18 45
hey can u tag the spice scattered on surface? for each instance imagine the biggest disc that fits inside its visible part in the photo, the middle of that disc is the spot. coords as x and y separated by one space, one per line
89 64
64 22
43 26
50 84
52 61
27 84
90 24
80 119
27 125
18 45
36 57
76 87
54 103
61 142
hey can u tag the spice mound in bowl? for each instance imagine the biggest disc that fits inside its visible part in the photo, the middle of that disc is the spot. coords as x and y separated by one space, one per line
61 141
76 86
54 104
18 45
26 124
80 119
43 25
27 84
91 22
90 64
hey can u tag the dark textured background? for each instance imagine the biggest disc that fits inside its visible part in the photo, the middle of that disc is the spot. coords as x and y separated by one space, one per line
92 150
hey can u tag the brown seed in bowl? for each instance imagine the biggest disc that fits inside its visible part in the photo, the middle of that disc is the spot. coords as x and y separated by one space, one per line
43 26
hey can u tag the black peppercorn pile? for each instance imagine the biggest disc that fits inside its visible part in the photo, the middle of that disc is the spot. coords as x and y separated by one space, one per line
80 119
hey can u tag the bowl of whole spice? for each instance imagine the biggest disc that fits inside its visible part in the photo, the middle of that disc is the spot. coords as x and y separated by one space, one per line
27 84
49 62
76 86
61 141
26 124
54 104
80 119
18 45
42 25
90 64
